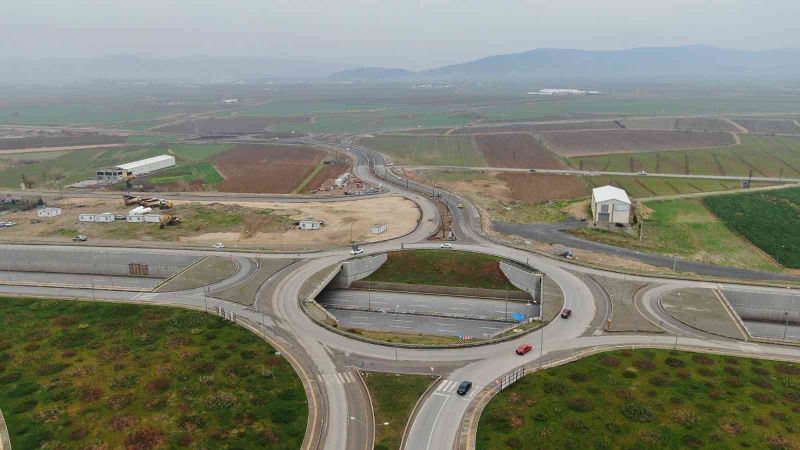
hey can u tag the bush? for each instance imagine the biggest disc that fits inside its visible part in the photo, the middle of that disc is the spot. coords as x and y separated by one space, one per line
609 361
145 439
580 404
638 412
645 365
703 359
684 416
554 387
220 400
788 369
630 373
675 362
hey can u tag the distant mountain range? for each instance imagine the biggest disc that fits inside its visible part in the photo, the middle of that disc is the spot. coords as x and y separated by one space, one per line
637 63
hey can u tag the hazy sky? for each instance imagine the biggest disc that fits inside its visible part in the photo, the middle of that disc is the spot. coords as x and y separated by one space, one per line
400 33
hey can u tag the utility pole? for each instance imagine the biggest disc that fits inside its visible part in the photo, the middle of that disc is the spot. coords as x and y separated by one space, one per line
780 175
786 324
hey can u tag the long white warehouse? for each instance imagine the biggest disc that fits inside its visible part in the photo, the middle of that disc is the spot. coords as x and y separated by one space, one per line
136 168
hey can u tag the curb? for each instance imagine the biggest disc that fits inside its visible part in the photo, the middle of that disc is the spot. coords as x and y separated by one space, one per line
5 440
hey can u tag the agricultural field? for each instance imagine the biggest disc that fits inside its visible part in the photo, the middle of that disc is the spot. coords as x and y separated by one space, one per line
649 123
443 268
685 228
59 141
705 124
538 188
770 220
646 186
544 126
519 150
45 169
427 150
766 156
95 375
393 397
648 399
770 126
276 169
599 142
229 125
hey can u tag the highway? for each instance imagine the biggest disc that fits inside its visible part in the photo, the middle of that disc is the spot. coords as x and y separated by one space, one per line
340 414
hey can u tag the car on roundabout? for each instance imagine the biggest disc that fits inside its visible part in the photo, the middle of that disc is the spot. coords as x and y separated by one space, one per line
523 349
80 238
464 387
446 245
218 246
356 251
566 313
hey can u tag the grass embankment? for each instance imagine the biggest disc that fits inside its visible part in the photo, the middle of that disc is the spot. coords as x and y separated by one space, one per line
91 375
649 399
770 220
443 268
393 398
687 229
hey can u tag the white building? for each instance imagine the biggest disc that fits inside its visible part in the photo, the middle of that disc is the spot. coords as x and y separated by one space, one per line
86 217
105 217
310 224
48 212
610 205
136 168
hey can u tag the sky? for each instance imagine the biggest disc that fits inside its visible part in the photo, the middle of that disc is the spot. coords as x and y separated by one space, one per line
393 33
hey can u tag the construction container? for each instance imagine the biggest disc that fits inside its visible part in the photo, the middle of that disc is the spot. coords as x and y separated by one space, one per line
86 217
152 218
105 217
136 218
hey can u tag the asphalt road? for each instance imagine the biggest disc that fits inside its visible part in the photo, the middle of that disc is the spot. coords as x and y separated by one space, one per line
413 303
773 330
553 234
410 323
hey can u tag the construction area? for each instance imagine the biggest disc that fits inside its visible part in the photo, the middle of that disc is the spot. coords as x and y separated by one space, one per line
269 225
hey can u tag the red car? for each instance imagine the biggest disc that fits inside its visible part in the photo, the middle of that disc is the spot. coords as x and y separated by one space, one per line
524 348
566 313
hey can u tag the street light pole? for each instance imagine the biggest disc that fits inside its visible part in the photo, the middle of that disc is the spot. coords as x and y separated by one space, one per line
786 323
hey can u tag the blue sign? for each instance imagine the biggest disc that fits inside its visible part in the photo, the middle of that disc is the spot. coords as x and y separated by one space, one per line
519 317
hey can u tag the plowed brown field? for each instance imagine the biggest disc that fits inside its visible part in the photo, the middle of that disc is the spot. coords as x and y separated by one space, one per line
519 150
275 169
538 187
599 142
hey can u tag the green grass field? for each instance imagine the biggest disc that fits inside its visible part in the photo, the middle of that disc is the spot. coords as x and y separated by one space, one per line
428 150
393 398
648 399
93 375
770 220
443 268
686 228
766 156
150 138
646 186
187 173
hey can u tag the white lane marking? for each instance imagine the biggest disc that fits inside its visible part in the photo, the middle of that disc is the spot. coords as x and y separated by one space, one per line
359 317
400 326
359 323
445 324
145 296
461 309
339 378
490 328
436 419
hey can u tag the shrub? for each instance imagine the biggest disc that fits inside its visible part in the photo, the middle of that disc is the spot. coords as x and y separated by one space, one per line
120 423
645 365
732 427
638 412
554 387
759 371
703 359
120 401
91 394
145 439
779 442
580 404
541 416
684 416
630 373
675 362
762 383
788 369
221 400
609 361
158 385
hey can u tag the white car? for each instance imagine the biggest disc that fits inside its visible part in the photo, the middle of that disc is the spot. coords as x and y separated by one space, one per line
446 245
10 224
218 245
357 251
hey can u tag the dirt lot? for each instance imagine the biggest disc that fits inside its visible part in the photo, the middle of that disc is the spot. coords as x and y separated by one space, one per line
237 224
516 150
537 188
276 169
599 142
232 125
324 178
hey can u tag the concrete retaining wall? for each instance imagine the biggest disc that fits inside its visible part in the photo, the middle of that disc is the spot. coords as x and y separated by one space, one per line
442 290
357 269
530 282
765 307
105 262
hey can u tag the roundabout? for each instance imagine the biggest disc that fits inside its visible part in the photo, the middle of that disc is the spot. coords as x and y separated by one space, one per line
329 364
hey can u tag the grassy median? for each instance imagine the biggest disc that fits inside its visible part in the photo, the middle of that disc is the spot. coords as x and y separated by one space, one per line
649 399
92 375
393 398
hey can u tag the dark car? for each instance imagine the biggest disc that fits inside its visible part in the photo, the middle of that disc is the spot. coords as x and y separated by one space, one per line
566 313
464 387
524 348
